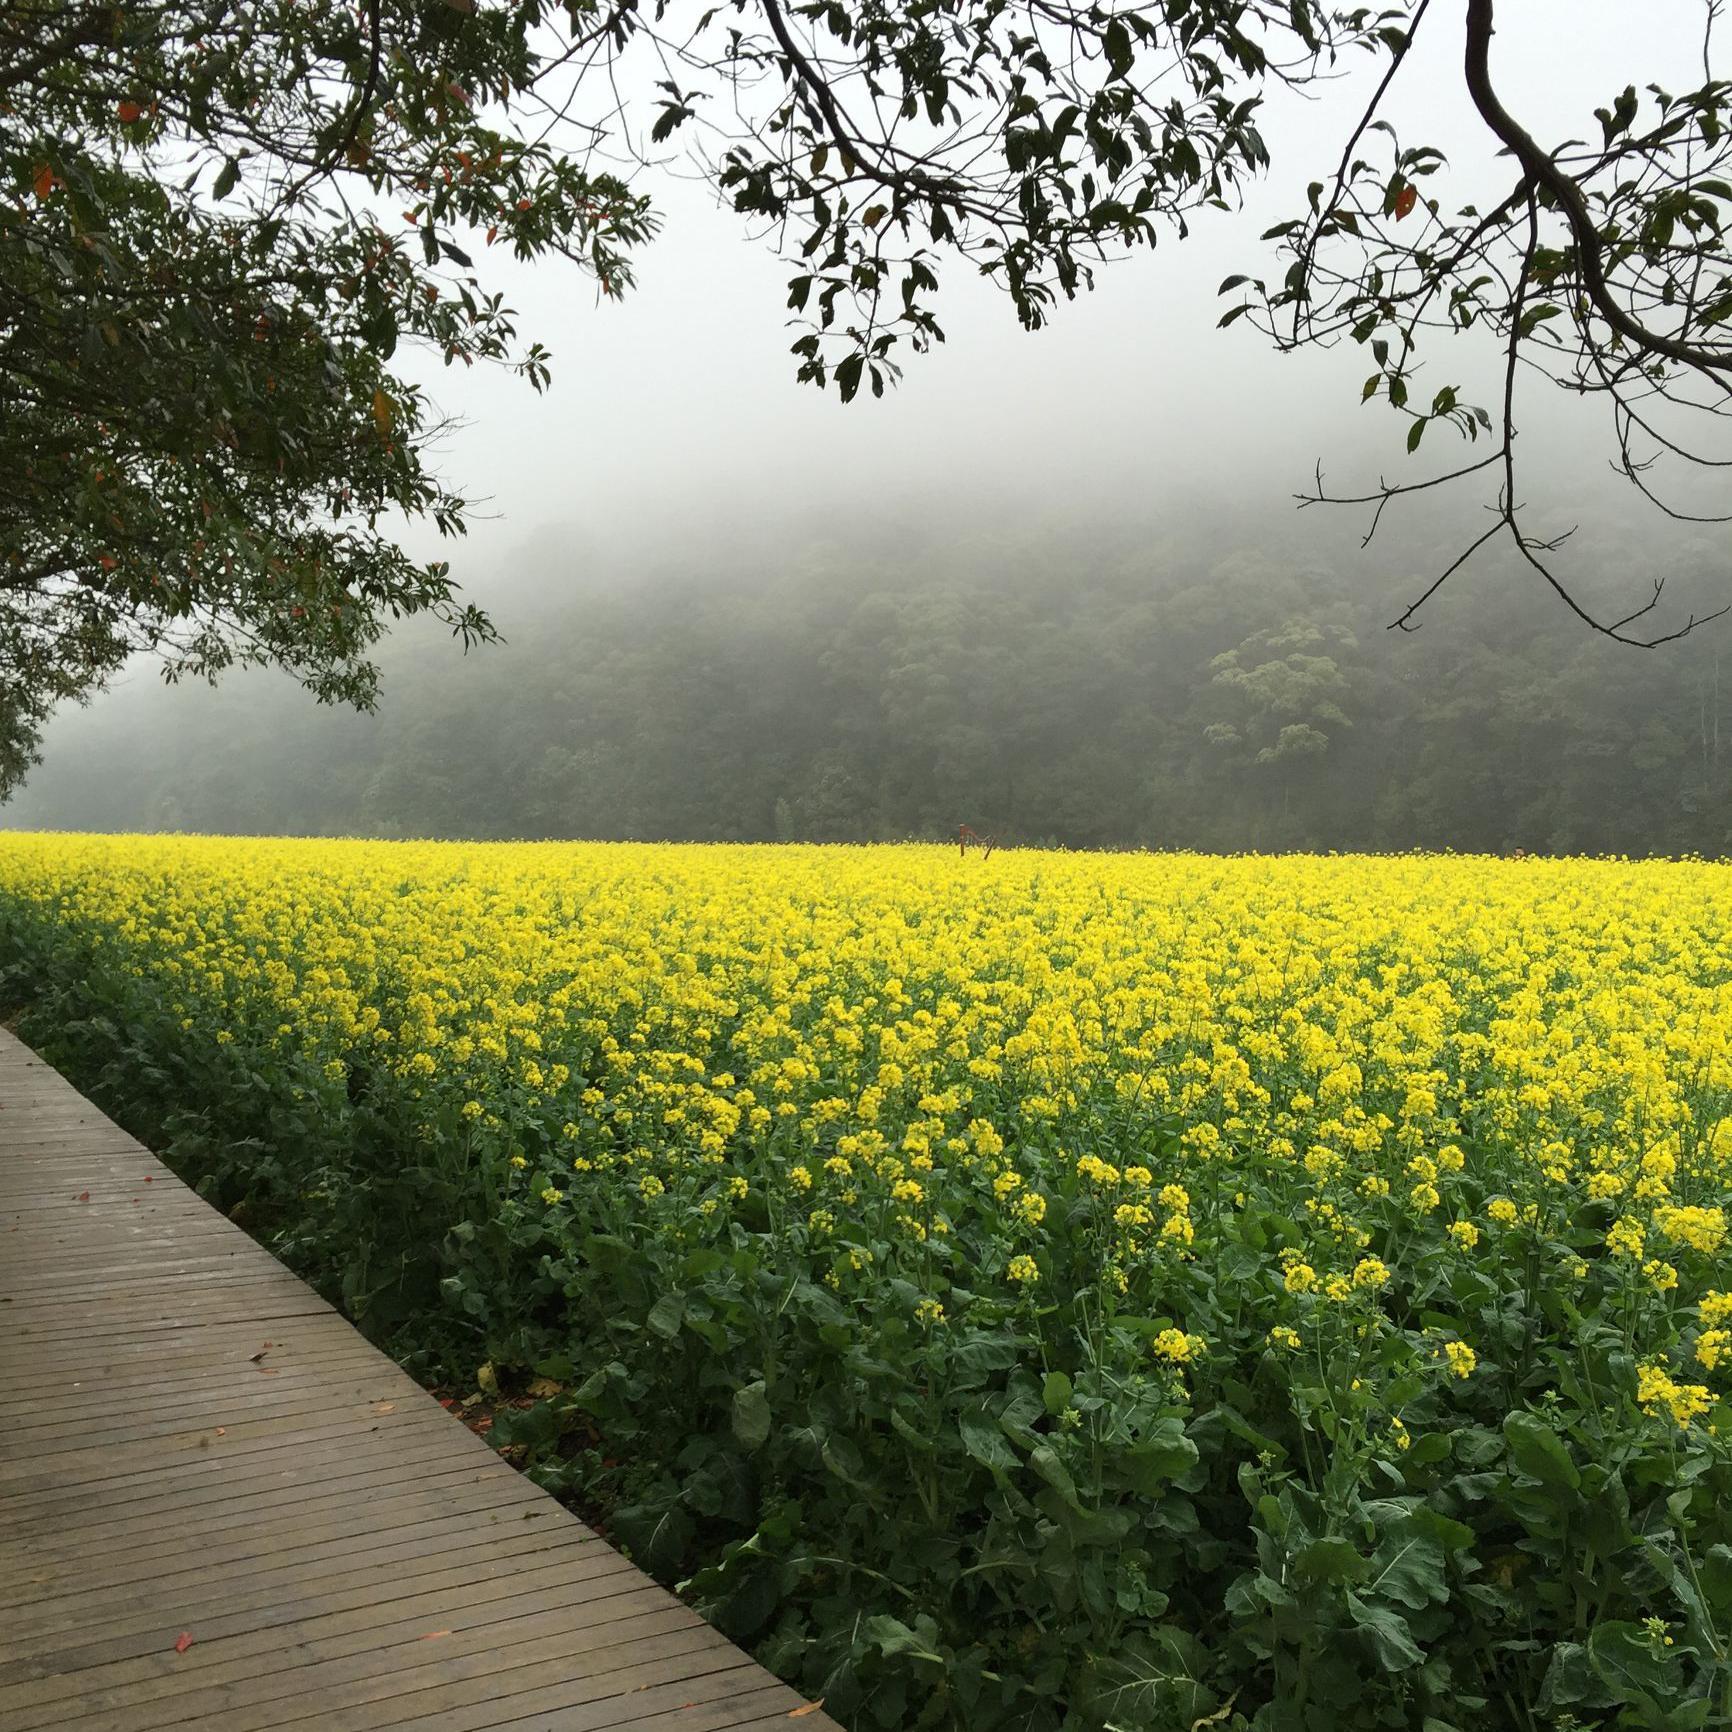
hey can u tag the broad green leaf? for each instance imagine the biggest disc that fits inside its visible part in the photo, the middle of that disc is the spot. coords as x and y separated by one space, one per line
984 1439
1716 1574
751 1416
891 1636
667 1314
1539 1452
1569 1678
1046 1463
1442 1530
1410 1570
1391 1638
1627 1662
1333 1560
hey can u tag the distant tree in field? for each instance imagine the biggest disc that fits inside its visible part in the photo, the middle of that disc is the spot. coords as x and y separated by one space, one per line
1283 691
221 222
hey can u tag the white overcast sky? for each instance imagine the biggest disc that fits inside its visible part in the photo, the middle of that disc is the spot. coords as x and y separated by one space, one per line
675 413
684 395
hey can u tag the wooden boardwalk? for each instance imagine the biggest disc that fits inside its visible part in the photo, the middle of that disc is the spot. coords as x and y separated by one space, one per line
220 1507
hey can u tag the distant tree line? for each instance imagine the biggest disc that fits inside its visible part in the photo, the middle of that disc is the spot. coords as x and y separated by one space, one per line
1046 691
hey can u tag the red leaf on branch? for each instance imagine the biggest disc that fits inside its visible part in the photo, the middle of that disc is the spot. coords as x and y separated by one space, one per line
1405 200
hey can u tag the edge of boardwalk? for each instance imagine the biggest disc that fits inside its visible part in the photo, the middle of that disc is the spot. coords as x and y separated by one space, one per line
221 1507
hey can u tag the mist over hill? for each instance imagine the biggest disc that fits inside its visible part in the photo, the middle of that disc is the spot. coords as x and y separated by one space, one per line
1217 678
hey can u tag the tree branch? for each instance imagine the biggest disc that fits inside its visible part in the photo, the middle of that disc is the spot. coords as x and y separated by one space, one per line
1567 194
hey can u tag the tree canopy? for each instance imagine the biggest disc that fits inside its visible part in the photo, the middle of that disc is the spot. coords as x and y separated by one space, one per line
223 223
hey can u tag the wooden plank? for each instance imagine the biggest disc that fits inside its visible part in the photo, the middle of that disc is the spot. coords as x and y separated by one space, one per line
757 1710
358 1604
229 1496
140 1530
230 1342
161 1379
74 1323
89 1465
342 1552
622 1639
342 1678
56 1280
249 1394
160 1562
212 1478
412 1618
391 1561
627 1700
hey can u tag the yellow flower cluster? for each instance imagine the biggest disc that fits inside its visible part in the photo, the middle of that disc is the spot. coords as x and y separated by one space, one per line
1658 1394
1460 1358
927 1075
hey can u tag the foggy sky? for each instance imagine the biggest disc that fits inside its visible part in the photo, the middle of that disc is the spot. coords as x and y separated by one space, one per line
674 422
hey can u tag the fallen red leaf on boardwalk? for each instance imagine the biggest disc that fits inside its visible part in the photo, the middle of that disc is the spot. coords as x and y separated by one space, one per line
805 1708
183 1641
82 1197
432 1635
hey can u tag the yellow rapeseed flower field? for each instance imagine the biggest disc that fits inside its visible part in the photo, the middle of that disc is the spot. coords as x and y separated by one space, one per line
1139 1283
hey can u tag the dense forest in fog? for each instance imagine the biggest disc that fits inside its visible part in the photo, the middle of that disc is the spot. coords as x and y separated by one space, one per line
1060 686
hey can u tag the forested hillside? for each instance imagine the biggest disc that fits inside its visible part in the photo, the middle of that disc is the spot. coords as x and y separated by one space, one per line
1062 686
